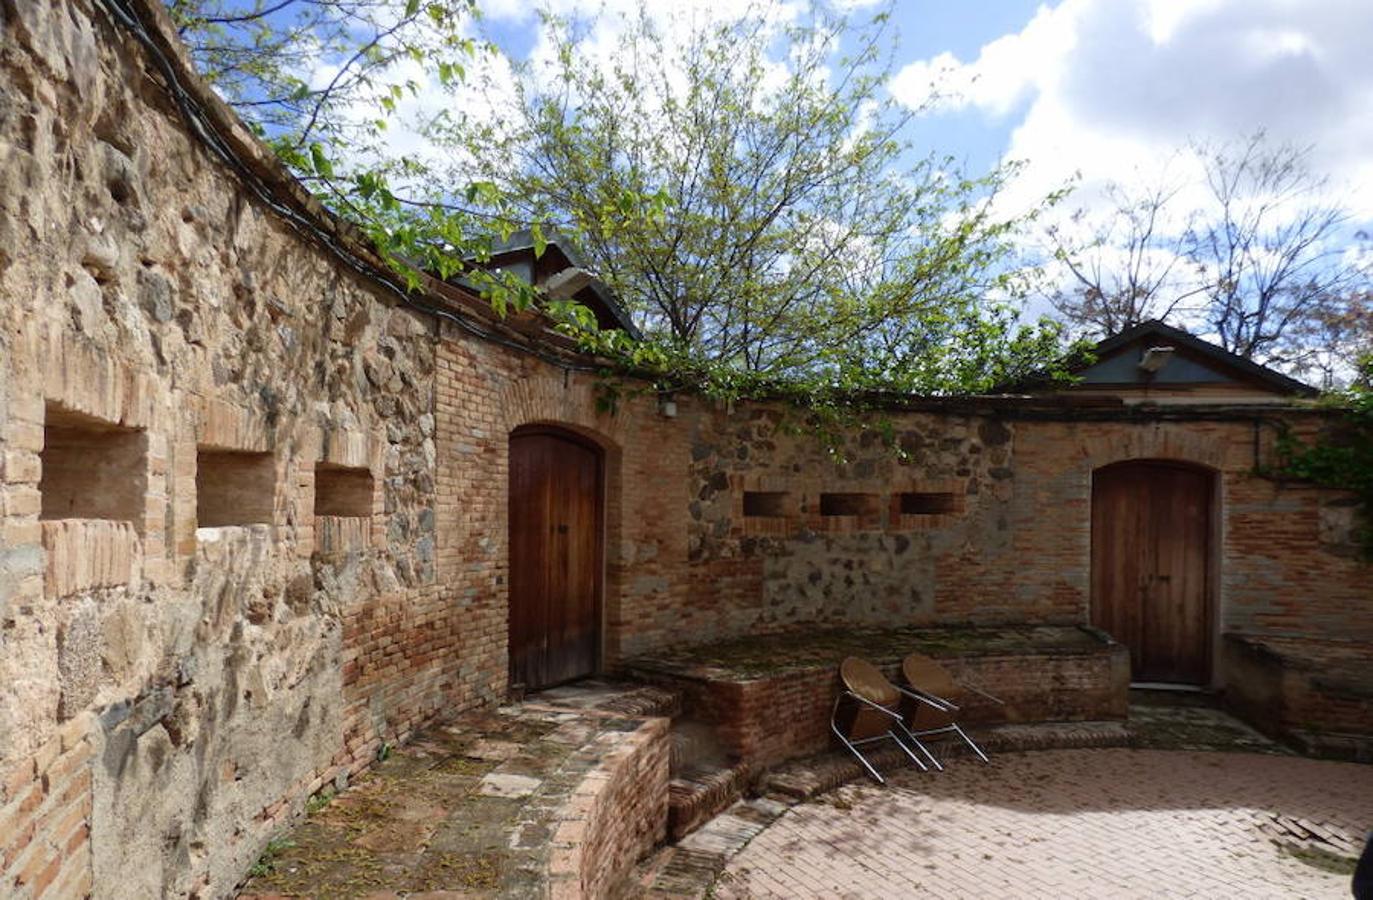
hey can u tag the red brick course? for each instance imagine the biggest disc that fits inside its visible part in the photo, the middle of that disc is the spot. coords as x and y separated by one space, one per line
45 813
616 815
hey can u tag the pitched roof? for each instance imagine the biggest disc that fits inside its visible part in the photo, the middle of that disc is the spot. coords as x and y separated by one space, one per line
1211 362
597 295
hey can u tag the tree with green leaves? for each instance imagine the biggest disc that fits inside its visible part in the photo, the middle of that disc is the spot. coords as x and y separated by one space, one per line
801 235
323 82
746 185
322 72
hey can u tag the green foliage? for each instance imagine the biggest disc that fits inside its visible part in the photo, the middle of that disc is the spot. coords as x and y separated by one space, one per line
319 801
266 863
834 411
760 212
745 187
300 71
1340 457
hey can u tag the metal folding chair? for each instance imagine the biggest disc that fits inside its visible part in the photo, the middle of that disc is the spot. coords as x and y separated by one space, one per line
931 684
871 714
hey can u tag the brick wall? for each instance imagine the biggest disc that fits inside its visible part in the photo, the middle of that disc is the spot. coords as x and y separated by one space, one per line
45 811
616 814
1316 693
1017 548
764 720
222 674
159 321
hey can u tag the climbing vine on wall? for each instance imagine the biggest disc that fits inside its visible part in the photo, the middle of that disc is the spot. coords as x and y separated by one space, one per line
1341 456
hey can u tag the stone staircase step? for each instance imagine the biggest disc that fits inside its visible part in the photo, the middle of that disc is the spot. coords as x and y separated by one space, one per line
697 795
698 859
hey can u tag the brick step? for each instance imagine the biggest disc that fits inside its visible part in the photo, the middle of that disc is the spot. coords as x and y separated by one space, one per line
805 778
696 795
648 700
690 868
625 698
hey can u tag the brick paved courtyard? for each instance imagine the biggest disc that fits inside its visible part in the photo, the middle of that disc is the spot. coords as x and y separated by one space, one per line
1073 823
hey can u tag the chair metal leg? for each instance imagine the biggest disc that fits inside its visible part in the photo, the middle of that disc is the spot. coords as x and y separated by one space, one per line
891 733
972 744
920 745
915 759
861 758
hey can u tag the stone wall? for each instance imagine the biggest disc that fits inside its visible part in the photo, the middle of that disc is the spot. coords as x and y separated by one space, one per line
203 619
199 626
996 525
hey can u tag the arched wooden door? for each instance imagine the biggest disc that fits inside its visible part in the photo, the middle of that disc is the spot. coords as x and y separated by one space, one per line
555 557
1151 556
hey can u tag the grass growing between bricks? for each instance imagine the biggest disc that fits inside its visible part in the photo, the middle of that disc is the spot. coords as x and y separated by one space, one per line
470 807
266 863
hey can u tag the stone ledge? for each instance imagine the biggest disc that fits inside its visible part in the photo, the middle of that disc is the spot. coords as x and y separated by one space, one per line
1314 694
83 554
807 647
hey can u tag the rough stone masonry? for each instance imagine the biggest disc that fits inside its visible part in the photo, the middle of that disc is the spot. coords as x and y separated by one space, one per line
253 502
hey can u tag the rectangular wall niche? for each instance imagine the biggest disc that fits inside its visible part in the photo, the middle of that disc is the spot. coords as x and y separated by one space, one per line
342 491
772 504
932 503
850 504
92 469
234 488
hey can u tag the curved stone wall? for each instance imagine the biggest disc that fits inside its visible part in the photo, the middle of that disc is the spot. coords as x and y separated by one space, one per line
182 339
180 673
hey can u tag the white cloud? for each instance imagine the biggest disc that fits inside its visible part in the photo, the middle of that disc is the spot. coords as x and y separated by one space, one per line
1006 71
1110 88
487 94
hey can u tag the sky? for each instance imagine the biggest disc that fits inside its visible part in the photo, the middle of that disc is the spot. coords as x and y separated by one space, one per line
1100 90
1092 94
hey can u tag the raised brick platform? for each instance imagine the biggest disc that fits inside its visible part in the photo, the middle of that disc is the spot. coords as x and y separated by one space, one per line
769 698
1316 694
527 800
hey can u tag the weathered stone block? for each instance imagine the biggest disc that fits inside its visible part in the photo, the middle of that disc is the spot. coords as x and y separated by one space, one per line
83 554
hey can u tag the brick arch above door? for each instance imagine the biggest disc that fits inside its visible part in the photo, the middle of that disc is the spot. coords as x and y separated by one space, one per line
568 401
1200 443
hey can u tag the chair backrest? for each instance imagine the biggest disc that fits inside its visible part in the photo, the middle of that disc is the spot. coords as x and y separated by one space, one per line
864 679
867 681
923 673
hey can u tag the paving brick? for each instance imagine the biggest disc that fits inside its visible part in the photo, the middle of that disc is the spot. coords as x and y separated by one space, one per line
1099 823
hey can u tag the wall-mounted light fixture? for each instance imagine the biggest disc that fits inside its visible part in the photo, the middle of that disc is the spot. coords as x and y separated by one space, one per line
567 283
667 405
1155 358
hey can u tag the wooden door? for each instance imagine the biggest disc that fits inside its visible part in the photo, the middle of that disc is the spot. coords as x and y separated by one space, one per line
1151 536
555 557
